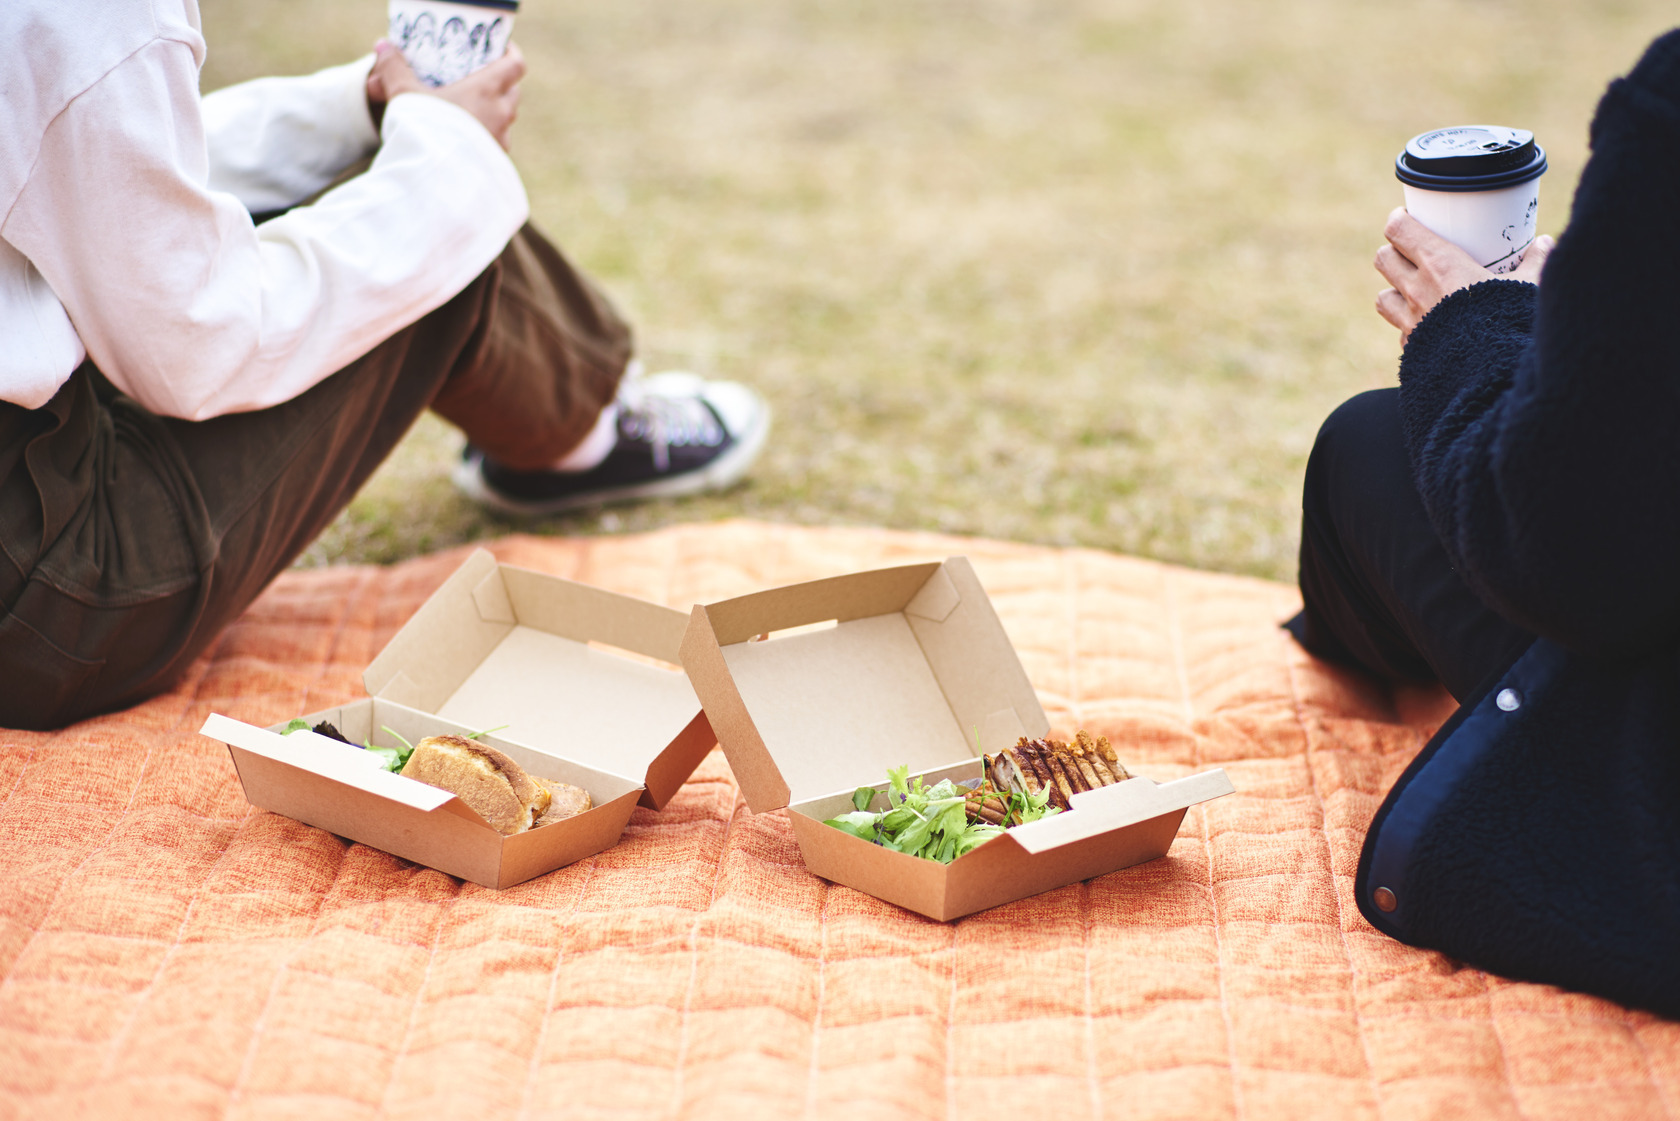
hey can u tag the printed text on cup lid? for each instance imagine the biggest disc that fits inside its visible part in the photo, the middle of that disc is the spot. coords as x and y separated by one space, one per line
1470 158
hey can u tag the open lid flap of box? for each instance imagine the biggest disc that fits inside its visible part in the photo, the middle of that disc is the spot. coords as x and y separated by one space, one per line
455 630
340 763
1115 807
915 664
511 649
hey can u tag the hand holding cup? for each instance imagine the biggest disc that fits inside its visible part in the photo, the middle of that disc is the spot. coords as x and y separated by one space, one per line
490 93
1472 196
1425 268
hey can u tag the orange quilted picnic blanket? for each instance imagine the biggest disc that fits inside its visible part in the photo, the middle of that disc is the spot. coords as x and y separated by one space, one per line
167 951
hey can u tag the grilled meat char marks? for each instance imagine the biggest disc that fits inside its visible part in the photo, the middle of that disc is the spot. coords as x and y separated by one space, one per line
1040 757
1009 772
1083 747
1083 765
1067 785
1105 777
1026 769
986 805
1061 768
1098 747
1029 750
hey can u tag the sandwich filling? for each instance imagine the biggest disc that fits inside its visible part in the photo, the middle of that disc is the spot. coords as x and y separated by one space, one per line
564 800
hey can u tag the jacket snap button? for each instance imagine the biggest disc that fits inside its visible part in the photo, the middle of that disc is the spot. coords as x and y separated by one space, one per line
1384 899
1508 700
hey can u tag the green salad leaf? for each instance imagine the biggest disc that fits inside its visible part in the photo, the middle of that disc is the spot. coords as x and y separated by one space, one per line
929 821
396 758
391 758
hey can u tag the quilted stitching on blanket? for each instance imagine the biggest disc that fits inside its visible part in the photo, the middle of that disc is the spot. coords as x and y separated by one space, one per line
168 951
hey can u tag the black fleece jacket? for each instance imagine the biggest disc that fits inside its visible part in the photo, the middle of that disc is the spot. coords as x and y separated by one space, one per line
1544 424
1538 833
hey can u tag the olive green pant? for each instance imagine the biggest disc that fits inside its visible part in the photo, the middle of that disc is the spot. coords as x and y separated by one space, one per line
128 540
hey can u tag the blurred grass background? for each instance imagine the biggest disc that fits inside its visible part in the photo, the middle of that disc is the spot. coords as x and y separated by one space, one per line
1076 272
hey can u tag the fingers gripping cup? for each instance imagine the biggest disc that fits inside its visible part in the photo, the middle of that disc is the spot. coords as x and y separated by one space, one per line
1478 186
445 40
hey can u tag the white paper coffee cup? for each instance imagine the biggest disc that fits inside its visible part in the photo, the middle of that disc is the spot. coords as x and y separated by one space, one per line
445 40
1478 186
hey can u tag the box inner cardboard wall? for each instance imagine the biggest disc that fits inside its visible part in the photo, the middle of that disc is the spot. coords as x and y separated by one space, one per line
567 698
837 706
860 696
498 645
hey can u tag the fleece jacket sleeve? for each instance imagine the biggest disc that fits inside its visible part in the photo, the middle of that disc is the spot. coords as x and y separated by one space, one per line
1544 423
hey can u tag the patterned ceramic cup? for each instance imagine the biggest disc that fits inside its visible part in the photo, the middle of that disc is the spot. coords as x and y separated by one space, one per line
445 40
1478 186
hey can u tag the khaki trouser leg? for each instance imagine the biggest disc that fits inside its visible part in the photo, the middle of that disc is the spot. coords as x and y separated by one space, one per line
128 541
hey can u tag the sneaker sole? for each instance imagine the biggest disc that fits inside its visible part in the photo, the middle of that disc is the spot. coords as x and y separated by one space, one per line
724 471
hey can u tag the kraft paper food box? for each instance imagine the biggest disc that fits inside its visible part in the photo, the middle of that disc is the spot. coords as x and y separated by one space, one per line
893 667
581 684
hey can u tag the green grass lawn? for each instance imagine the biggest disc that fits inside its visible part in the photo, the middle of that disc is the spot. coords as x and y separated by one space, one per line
1076 272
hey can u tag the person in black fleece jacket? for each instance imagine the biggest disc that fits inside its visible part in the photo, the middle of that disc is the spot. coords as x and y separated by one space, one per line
1508 522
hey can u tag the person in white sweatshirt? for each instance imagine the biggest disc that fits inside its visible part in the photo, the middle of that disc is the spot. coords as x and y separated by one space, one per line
208 341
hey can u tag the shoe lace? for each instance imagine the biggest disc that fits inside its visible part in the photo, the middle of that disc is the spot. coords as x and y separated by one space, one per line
664 421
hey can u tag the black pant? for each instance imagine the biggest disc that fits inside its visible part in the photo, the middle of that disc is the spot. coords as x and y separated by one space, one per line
1380 592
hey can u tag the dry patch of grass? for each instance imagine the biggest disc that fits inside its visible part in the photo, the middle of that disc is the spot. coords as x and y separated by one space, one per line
1086 272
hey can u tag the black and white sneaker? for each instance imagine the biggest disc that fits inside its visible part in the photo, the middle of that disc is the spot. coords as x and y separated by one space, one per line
677 434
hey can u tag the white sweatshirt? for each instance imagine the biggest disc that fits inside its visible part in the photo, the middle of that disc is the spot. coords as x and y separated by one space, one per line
124 213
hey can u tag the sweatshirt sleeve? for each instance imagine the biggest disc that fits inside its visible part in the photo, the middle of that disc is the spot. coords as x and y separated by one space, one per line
193 311
1544 424
273 142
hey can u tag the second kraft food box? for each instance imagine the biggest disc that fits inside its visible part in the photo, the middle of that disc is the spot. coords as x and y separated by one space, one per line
817 689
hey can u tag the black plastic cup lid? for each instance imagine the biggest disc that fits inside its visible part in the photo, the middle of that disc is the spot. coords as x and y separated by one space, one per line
499 5
1470 158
